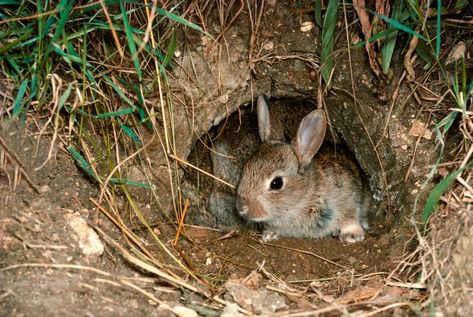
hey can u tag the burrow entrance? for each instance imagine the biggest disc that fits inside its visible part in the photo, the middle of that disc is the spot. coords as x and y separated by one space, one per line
291 259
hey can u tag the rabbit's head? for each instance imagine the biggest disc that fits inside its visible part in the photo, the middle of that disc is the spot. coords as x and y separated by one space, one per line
275 180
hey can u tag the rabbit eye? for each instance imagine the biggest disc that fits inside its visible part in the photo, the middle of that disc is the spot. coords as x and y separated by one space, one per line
276 183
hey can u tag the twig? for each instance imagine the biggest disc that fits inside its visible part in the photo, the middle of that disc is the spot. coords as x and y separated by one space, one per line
306 252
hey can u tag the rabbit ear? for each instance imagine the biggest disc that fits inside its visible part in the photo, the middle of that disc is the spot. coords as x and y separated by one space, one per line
269 126
309 137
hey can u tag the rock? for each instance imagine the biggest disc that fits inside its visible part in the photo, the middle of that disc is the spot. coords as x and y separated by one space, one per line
260 301
87 239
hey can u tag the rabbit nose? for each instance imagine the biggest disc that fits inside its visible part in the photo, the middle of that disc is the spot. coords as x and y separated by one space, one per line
242 206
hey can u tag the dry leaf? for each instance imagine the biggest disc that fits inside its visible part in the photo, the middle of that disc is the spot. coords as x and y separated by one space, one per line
456 53
359 294
411 75
419 128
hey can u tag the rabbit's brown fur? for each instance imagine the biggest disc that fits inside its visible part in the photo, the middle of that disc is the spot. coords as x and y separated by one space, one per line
320 195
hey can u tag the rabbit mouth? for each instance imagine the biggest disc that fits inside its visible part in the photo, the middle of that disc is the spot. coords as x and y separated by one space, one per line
252 216
255 215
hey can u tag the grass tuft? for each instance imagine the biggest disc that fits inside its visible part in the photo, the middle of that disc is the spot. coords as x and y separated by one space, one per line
328 41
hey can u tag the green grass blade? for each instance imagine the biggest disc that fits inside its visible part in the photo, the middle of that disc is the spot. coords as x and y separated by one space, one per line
171 50
375 37
62 100
389 45
18 103
328 32
69 58
415 9
118 113
447 122
124 181
470 89
318 12
424 52
439 189
13 64
82 162
119 91
461 4
64 9
131 133
181 20
398 25
438 40
33 87
131 41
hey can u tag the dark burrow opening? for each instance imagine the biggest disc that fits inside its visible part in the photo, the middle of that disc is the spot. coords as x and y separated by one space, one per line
382 248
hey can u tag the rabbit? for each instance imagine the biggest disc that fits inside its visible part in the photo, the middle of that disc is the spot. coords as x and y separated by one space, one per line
230 151
297 193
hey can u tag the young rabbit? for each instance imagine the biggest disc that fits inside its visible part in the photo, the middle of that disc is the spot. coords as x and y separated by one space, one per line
296 194
229 153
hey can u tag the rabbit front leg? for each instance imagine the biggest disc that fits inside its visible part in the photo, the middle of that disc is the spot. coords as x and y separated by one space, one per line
269 235
351 231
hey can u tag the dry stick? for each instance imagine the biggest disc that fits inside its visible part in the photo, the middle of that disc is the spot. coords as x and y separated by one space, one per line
29 17
223 302
391 107
39 246
380 162
150 15
130 235
181 222
379 310
149 295
145 266
114 33
14 157
56 266
200 170
306 252
467 157
227 26
310 58
105 182
51 12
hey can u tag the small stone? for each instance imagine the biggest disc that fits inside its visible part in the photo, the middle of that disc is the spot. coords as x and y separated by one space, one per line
182 311
88 240
231 310
268 46
419 128
44 189
307 26
223 98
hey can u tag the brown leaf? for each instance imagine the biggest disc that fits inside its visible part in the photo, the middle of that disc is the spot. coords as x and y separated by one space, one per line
411 75
358 294
360 9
